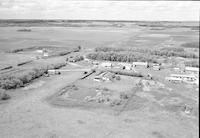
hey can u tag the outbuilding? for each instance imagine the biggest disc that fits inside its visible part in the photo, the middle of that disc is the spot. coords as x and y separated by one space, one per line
156 67
144 64
106 64
53 72
174 80
126 66
192 70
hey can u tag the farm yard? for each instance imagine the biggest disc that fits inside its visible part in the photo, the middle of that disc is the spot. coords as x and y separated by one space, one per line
99 80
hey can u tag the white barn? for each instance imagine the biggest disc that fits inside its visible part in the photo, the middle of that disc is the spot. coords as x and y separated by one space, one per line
192 70
145 64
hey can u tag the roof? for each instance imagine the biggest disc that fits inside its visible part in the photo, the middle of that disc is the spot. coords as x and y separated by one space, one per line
106 64
176 68
156 66
140 63
172 78
192 69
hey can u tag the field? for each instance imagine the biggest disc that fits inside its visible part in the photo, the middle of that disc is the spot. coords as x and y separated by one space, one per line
56 96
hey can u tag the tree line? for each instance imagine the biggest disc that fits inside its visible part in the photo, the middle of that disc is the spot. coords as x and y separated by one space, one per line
122 56
166 52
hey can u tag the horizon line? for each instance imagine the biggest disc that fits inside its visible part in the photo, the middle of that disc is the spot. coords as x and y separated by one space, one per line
107 20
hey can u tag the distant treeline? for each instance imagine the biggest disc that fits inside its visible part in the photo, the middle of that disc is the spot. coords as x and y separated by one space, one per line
57 51
122 56
168 52
91 23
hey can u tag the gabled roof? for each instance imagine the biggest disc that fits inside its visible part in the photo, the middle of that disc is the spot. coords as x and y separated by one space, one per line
192 69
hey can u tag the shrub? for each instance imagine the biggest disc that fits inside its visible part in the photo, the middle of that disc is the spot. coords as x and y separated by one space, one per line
192 63
4 96
85 72
105 89
124 95
118 78
115 102
24 30
16 50
10 82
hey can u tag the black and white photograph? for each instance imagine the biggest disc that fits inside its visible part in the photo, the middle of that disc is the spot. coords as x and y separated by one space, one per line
99 68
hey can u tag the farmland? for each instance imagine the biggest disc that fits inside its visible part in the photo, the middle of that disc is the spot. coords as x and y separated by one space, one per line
78 79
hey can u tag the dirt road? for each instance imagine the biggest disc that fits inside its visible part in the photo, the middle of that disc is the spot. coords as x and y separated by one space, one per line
32 117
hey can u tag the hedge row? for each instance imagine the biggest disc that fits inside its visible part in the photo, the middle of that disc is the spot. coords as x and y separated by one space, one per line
127 73
19 79
123 56
167 51
25 62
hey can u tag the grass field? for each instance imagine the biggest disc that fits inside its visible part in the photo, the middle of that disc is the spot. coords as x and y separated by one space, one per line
90 37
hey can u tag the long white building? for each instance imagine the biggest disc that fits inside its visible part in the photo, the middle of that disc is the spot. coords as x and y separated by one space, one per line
192 70
189 78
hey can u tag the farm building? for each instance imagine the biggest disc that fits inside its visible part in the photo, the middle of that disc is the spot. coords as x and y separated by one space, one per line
104 76
39 51
144 64
106 64
53 72
71 60
75 58
176 69
175 80
191 70
97 78
156 67
45 54
126 66
95 63
184 77
108 76
192 79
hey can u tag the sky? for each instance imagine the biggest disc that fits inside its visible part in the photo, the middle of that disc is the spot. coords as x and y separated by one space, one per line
100 10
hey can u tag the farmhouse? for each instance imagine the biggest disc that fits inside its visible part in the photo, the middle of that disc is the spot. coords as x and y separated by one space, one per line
144 64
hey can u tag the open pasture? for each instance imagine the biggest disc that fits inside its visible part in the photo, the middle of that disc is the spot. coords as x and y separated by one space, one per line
90 37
